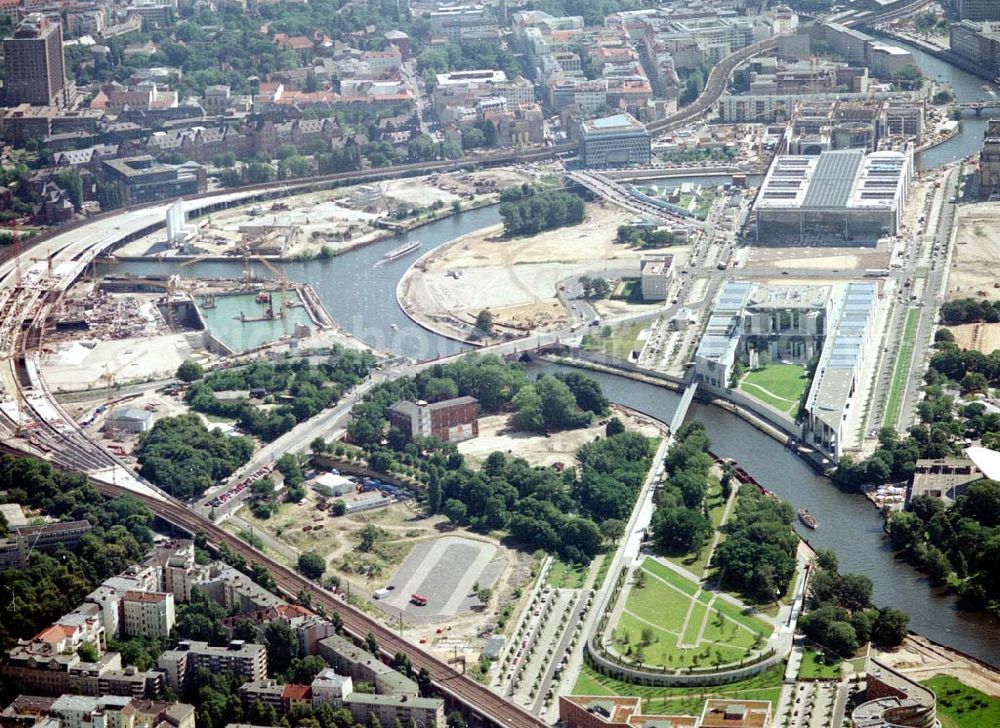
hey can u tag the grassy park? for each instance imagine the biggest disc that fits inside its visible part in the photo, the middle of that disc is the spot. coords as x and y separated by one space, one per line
778 385
816 667
682 701
959 706
619 341
669 622
901 369
567 575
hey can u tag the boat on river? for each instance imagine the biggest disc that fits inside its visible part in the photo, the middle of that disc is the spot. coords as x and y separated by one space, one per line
402 250
808 518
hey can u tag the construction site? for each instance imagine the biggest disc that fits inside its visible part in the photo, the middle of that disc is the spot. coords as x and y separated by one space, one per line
320 224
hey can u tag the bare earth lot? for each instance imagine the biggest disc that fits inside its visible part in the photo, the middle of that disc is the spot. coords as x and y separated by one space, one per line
983 337
495 434
976 252
516 279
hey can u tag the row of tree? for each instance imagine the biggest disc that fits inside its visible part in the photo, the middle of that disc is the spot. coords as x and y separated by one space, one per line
680 522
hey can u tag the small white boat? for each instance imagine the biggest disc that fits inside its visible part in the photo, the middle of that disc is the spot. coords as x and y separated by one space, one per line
402 250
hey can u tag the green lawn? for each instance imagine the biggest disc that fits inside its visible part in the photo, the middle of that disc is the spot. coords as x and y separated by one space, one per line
901 369
628 289
620 342
959 706
682 701
566 575
815 667
715 632
779 385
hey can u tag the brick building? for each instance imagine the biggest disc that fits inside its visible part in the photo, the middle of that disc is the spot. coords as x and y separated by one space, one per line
451 420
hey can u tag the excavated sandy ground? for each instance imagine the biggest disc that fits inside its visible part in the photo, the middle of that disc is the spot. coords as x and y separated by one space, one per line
918 659
516 279
984 337
974 267
495 434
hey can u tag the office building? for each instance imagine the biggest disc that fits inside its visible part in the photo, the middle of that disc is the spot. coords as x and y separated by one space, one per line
656 272
349 659
147 614
591 711
16 548
835 404
977 9
247 661
977 46
35 70
618 141
843 197
989 160
451 420
145 179
757 324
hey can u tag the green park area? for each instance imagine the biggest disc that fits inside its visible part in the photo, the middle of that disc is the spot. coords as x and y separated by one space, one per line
566 574
959 706
818 666
778 385
669 621
682 701
901 369
619 341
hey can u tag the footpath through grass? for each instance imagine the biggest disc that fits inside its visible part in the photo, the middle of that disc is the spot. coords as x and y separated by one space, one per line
668 626
779 385
901 369
959 706
682 701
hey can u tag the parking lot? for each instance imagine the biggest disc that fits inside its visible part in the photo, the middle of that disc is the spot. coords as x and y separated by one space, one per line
445 571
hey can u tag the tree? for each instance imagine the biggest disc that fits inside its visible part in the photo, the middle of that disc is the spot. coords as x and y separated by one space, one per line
614 427
311 564
370 535
88 652
190 371
484 322
678 531
282 646
456 511
371 643
842 639
338 508
612 529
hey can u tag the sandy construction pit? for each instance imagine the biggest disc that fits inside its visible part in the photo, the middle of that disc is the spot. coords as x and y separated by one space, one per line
976 252
516 279
983 337
820 258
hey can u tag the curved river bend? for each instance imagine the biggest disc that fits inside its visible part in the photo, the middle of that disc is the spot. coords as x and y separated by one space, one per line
361 296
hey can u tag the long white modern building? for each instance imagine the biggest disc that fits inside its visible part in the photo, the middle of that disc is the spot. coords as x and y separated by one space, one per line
844 197
833 408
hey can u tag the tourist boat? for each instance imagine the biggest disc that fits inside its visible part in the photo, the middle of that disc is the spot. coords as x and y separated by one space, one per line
403 250
808 518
